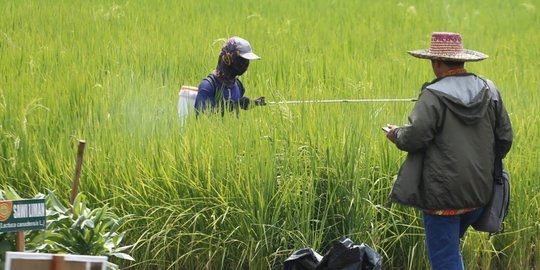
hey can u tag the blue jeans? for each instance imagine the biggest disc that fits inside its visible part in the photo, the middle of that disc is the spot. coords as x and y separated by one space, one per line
442 238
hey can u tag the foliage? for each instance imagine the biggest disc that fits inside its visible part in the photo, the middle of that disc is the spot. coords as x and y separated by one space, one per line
75 229
82 230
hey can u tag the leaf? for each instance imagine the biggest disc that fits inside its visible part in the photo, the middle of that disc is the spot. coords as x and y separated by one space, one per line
112 266
40 196
55 203
79 204
118 238
118 249
88 223
122 256
78 222
98 217
11 194
109 245
59 242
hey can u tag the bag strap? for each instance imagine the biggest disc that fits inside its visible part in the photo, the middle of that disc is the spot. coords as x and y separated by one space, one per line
498 164
241 86
218 92
496 97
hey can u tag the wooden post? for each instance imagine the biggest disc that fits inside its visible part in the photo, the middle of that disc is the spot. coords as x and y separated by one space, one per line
58 262
19 241
75 187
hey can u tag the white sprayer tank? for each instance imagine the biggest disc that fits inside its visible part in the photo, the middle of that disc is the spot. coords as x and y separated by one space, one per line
186 102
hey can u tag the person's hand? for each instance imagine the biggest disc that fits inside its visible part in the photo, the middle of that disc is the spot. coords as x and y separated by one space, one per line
244 103
260 101
391 134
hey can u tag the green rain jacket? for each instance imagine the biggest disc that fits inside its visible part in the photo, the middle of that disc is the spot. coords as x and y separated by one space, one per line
450 143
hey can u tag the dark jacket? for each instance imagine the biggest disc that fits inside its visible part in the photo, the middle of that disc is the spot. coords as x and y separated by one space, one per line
214 94
451 145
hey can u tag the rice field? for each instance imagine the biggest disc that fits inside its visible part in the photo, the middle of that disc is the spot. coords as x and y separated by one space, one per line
244 193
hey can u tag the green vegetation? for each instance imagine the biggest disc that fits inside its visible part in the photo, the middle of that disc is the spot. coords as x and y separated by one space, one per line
244 193
72 229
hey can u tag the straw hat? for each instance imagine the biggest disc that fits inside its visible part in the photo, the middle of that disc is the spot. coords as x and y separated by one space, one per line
449 47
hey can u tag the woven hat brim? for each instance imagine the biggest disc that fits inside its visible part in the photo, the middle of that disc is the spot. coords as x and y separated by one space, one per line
465 56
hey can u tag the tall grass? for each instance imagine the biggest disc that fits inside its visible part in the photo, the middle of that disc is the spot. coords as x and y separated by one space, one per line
227 193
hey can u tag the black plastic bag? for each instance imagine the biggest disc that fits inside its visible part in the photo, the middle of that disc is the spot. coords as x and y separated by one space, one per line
344 255
303 259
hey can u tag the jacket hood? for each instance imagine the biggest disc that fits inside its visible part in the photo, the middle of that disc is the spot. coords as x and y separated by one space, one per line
467 96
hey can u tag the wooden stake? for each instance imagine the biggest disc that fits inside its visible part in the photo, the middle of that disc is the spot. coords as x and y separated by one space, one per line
75 187
19 241
58 262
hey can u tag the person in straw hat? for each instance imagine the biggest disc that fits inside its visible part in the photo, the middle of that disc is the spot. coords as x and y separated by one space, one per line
450 140
222 89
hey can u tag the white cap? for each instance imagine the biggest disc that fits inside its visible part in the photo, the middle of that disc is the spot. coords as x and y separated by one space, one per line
244 48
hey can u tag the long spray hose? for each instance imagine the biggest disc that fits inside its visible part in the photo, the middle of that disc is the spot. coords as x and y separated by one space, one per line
191 91
341 101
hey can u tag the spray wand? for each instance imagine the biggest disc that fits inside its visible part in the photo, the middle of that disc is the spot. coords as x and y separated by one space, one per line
339 101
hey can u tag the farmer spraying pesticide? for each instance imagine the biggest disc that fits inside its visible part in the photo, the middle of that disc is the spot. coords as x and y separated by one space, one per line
222 91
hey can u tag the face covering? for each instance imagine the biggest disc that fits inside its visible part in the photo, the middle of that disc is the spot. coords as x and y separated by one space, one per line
230 64
240 66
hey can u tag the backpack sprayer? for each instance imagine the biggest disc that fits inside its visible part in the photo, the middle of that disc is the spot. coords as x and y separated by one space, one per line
188 94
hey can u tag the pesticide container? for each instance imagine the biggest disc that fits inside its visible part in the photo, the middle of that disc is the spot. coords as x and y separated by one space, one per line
186 102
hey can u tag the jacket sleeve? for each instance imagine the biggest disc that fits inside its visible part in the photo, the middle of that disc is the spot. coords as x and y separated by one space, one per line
503 126
424 121
503 130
